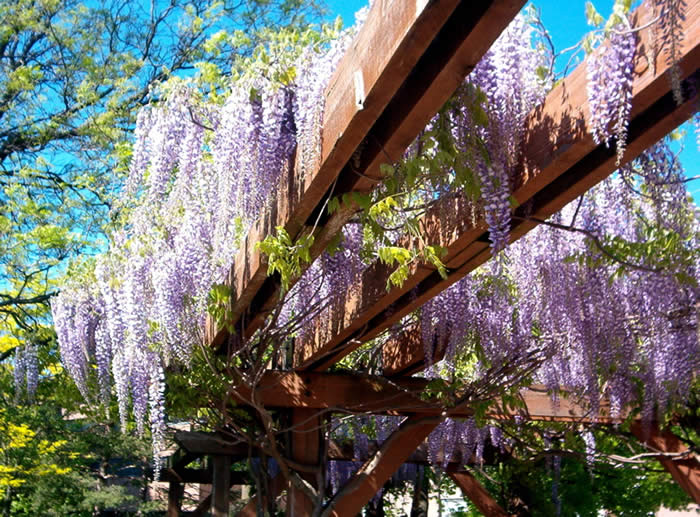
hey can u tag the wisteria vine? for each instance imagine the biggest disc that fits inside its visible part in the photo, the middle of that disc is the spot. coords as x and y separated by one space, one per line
201 174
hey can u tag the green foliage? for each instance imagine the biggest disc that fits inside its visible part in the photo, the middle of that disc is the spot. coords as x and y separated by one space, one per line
655 247
660 249
207 379
602 27
219 306
592 16
286 257
408 190
526 486
411 187
55 461
275 59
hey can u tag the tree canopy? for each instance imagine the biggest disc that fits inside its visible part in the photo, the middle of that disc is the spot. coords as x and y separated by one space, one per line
73 76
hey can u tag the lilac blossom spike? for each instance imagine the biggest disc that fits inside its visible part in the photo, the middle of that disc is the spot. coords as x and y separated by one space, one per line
20 372
610 79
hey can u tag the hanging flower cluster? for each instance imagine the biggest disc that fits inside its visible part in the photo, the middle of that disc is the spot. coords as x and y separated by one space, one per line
26 371
508 75
610 79
200 176
604 320
452 439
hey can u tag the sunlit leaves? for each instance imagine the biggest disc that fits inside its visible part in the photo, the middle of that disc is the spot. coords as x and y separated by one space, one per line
592 16
285 257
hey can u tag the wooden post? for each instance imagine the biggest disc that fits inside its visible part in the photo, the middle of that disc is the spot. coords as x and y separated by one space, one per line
221 484
476 493
306 447
421 494
175 490
686 471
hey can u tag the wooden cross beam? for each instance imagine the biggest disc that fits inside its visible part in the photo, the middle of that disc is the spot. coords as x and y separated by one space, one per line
180 459
355 494
359 393
560 163
404 64
200 476
346 452
685 470
197 443
336 451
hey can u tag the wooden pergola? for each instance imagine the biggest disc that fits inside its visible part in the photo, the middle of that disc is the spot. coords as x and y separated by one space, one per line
405 63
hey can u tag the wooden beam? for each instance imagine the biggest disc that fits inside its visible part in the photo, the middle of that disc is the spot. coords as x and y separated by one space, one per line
685 471
399 396
180 459
409 57
476 493
350 499
404 354
306 439
221 486
560 162
346 452
352 392
198 443
200 476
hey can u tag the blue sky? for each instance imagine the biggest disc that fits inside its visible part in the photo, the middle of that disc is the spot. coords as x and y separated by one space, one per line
566 23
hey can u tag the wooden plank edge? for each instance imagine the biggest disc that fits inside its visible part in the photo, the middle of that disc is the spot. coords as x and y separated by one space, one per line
476 493
358 393
357 492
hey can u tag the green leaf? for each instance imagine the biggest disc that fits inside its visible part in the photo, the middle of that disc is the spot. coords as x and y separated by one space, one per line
592 16
333 205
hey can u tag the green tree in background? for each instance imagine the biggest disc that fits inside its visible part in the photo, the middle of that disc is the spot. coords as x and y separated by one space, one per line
56 461
620 478
72 76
